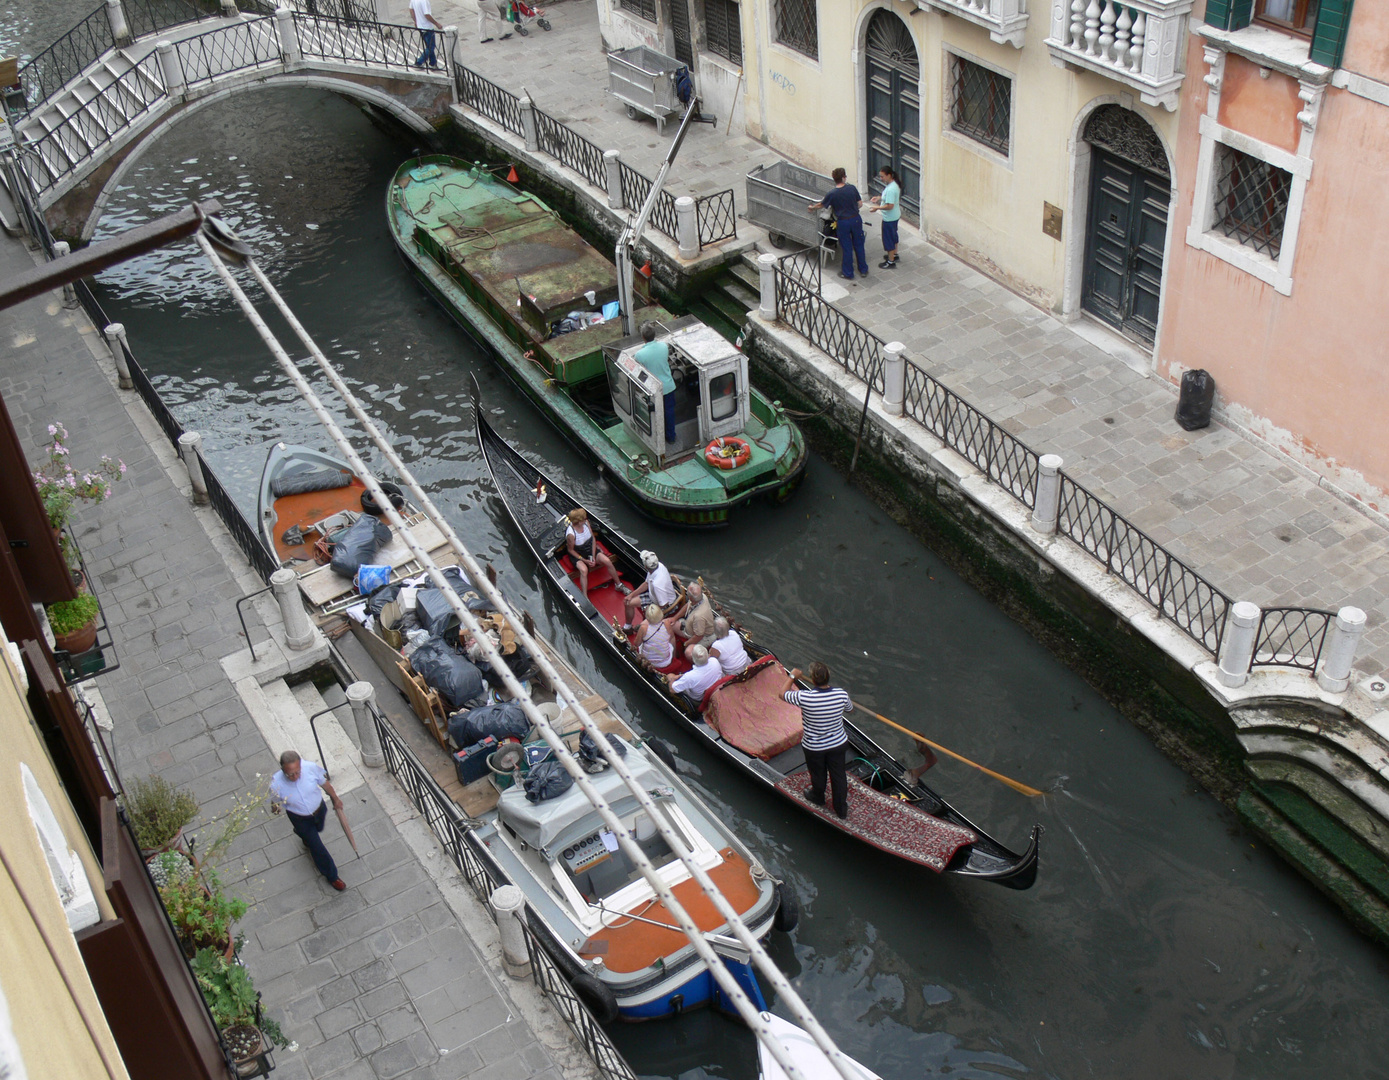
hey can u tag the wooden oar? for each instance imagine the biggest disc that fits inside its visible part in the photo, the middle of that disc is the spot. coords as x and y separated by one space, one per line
1014 784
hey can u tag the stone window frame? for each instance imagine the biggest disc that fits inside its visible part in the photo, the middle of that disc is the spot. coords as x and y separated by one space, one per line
64 866
774 10
950 54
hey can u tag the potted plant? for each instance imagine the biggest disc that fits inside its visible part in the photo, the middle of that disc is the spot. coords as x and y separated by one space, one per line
61 487
202 914
169 867
74 623
158 811
235 1007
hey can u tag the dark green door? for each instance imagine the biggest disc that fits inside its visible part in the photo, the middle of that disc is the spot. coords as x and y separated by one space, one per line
1124 245
894 108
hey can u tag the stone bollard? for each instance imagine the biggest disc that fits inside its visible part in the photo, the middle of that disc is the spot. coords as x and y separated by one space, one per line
1047 506
115 341
894 378
190 445
298 629
509 903
1342 639
612 164
1237 650
766 286
172 67
230 10
120 27
61 250
289 37
528 124
361 695
686 227
451 56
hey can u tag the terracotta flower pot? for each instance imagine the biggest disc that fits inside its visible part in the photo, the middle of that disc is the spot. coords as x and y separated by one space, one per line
246 1044
79 641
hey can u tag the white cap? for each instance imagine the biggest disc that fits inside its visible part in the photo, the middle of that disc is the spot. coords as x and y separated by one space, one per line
649 560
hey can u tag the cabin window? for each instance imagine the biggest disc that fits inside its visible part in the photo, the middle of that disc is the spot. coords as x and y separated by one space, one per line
598 868
643 410
723 396
617 383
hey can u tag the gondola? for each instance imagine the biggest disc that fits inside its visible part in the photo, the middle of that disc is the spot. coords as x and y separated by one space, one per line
742 717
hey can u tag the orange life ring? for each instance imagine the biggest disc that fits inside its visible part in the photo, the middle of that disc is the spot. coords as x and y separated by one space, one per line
727 452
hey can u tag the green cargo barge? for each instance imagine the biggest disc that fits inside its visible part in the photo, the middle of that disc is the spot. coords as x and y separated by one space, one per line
510 271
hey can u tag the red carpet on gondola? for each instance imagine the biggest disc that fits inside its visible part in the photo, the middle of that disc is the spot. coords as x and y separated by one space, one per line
887 823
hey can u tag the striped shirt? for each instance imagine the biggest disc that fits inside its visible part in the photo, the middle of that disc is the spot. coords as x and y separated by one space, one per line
822 716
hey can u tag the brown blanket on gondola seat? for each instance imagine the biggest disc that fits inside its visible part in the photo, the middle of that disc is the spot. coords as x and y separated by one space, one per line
749 712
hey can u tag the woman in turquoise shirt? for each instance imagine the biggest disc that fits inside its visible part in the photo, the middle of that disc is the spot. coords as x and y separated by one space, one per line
889 204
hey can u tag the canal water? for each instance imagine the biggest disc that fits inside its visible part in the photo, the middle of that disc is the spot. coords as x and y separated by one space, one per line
1160 939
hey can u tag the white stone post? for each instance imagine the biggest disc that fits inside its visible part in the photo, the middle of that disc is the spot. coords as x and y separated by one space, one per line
528 125
289 36
61 250
612 163
298 629
115 15
190 444
766 286
115 341
361 695
230 10
1237 650
1342 639
451 57
686 227
894 378
172 67
509 903
1047 506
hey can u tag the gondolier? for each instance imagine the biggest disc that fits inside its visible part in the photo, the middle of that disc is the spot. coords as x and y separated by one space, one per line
825 740
302 789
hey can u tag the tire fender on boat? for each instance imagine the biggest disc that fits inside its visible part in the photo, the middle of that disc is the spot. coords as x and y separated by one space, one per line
392 492
597 997
662 751
788 912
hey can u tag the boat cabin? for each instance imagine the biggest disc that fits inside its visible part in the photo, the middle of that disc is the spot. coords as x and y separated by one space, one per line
711 390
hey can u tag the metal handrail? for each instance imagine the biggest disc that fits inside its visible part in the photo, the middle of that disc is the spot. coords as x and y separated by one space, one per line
1291 637
47 72
243 46
717 216
571 149
242 616
350 37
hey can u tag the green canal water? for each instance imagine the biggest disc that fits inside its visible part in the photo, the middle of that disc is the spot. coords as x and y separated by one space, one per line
1159 941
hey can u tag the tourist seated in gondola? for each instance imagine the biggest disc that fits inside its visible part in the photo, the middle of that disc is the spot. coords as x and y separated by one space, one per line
728 648
659 586
653 640
695 683
695 620
583 547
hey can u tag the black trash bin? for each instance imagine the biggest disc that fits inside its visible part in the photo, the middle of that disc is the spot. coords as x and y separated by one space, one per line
1197 397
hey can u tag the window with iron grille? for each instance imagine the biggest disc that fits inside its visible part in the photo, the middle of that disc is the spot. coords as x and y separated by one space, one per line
981 103
796 28
1251 200
723 32
645 8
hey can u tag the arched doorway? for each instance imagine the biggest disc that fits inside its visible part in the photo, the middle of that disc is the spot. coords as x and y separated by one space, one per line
1126 224
894 106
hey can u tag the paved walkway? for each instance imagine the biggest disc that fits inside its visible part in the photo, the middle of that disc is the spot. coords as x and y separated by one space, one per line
398 975
1253 522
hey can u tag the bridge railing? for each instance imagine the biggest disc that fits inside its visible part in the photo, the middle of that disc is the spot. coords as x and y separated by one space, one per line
486 97
351 39
151 16
47 72
242 46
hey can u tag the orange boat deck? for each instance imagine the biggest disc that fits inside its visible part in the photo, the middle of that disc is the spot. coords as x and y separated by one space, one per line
304 509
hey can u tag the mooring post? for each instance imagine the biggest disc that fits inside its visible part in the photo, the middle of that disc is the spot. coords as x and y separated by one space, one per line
289 36
230 10
1342 639
61 250
766 286
451 59
190 445
894 378
1237 650
172 67
298 629
115 341
528 124
686 227
120 26
361 696
509 903
612 165
1046 508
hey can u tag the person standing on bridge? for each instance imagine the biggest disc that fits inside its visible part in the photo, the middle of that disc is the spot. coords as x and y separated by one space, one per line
424 18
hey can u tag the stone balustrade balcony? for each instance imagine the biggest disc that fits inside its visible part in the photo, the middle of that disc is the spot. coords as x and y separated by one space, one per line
1005 20
1141 44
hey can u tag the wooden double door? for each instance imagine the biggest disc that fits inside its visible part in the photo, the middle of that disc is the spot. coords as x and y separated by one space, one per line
1126 236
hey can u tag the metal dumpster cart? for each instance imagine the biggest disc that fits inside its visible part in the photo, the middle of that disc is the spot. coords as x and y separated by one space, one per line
644 80
777 198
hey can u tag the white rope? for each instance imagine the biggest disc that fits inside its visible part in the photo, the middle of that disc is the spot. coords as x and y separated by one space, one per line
735 994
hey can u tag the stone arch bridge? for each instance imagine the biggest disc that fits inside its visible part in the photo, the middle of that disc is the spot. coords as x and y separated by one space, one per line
79 140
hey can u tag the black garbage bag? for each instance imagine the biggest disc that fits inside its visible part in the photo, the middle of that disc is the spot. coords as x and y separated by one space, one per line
381 597
548 780
359 545
589 753
433 609
448 671
1195 401
505 720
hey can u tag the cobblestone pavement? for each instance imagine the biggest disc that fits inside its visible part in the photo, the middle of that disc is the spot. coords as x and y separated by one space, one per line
379 981
1254 523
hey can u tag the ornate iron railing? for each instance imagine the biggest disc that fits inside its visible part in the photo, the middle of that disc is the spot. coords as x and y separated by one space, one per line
150 16
1291 637
451 827
718 219
804 269
571 149
44 74
635 190
482 95
351 38
824 325
241 46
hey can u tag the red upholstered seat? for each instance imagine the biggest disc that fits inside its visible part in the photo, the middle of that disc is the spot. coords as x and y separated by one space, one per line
749 711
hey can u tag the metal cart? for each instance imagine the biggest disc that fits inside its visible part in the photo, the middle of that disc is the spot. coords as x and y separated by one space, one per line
644 80
777 199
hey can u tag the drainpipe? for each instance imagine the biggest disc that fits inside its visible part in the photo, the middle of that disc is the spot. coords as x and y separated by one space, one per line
1341 643
1237 650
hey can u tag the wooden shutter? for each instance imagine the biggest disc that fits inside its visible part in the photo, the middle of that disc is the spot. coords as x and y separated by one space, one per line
1329 38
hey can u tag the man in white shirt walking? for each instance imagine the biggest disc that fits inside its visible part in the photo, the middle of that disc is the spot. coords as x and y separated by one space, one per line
424 20
299 789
